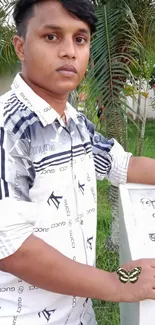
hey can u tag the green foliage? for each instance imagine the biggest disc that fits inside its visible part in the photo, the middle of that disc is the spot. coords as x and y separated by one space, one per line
122 49
110 61
8 58
88 107
152 79
107 313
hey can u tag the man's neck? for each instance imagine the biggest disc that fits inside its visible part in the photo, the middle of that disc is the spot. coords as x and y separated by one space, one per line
56 101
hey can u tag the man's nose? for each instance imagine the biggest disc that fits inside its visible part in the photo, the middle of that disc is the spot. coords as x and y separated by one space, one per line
67 49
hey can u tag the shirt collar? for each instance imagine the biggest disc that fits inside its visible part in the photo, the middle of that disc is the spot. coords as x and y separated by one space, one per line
35 103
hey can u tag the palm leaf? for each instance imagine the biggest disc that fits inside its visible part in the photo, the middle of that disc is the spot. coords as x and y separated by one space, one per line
111 63
117 46
8 58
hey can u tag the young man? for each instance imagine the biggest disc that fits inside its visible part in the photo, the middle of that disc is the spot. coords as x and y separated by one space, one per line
50 159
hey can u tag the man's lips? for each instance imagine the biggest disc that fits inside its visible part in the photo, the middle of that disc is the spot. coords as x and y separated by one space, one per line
67 68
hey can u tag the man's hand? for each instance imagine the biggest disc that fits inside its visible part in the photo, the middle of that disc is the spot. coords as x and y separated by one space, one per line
144 288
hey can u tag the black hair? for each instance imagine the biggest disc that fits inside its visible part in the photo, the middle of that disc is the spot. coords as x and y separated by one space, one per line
83 9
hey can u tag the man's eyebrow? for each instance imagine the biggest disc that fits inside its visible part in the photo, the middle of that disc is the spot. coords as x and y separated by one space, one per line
84 31
80 30
51 27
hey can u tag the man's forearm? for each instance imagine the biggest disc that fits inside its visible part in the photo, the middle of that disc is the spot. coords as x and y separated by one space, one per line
141 170
42 266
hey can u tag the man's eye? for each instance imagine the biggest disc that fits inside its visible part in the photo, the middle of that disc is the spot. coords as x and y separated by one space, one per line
51 37
81 40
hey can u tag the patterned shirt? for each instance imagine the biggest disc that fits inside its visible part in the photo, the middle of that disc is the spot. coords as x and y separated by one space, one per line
48 173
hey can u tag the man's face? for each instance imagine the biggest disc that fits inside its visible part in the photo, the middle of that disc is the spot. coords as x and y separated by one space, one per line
55 51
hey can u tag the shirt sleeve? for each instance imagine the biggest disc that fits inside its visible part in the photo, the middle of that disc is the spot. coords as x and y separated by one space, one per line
18 213
119 165
110 159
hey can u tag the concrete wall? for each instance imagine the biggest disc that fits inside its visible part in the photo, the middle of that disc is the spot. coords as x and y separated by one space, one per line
150 109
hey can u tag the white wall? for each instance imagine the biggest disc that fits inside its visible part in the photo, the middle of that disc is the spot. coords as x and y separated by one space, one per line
150 109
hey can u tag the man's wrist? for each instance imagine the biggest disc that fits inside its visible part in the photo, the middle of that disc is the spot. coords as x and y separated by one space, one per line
110 287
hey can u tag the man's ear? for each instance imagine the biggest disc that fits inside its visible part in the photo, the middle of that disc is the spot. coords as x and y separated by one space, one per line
18 42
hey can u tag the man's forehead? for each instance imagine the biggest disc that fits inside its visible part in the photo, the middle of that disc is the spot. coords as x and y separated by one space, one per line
50 14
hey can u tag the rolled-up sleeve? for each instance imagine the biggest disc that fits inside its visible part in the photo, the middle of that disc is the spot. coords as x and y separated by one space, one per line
110 159
119 164
17 214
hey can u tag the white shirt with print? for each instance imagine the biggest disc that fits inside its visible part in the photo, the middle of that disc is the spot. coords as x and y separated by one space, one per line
48 173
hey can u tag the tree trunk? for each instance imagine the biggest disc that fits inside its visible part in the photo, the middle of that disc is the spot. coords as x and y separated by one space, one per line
115 130
138 121
141 142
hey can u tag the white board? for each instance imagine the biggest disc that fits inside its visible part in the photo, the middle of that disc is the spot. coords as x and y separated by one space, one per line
137 240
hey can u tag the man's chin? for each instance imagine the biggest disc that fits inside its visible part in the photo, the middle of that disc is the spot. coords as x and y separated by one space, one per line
66 89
